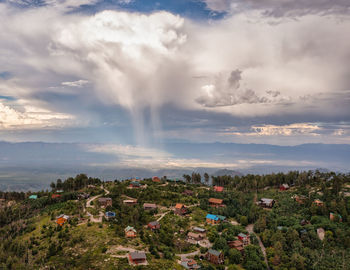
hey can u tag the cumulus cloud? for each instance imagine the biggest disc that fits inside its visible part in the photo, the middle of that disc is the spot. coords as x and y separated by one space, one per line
247 65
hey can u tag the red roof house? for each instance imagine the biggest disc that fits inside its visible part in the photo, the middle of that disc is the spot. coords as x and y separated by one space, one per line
218 188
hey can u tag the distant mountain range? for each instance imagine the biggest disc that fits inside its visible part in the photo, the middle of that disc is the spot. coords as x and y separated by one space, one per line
33 165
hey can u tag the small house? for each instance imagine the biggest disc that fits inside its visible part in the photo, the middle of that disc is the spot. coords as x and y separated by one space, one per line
104 202
180 209
59 191
149 206
194 236
130 202
333 216
212 219
83 196
200 231
320 233
216 202
265 202
244 238
60 220
156 179
236 244
135 184
318 202
190 264
218 189
284 187
137 257
215 256
188 192
154 225
55 196
33 197
130 232
110 215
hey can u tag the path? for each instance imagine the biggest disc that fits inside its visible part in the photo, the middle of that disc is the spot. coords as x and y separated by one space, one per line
88 204
162 215
185 255
250 230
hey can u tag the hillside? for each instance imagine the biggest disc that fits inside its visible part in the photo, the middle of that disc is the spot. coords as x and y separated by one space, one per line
278 221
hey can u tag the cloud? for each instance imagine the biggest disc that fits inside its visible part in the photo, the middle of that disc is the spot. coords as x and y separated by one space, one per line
31 118
79 83
283 8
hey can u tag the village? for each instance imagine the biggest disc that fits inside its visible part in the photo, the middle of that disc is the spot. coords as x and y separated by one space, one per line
161 221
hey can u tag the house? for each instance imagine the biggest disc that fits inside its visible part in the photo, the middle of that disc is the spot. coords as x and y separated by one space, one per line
236 244
200 231
194 236
109 215
332 216
188 192
149 206
180 209
130 202
214 256
299 199
130 232
218 188
244 238
83 196
320 233
135 184
264 202
318 202
154 225
156 179
55 196
137 257
190 264
60 220
216 202
284 187
104 202
212 219
33 197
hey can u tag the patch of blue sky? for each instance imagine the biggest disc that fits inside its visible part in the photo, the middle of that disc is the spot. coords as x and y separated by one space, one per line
8 98
5 75
194 9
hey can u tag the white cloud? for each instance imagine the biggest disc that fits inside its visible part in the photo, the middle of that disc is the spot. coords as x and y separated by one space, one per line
79 83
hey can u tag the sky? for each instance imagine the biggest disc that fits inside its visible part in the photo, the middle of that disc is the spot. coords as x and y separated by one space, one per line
138 74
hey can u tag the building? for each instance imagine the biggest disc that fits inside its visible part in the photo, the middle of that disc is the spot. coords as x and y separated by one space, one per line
149 206
299 199
156 179
135 184
83 196
33 197
212 219
130 232
268 203
180 209
284 187
215 257
194 236
104 202
188 192
154 225
244 238
216 202
236 244
137 258
333 216
318 202
200 231
218 188
320 233
60 220
130 202
110 215
55 196
190 264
